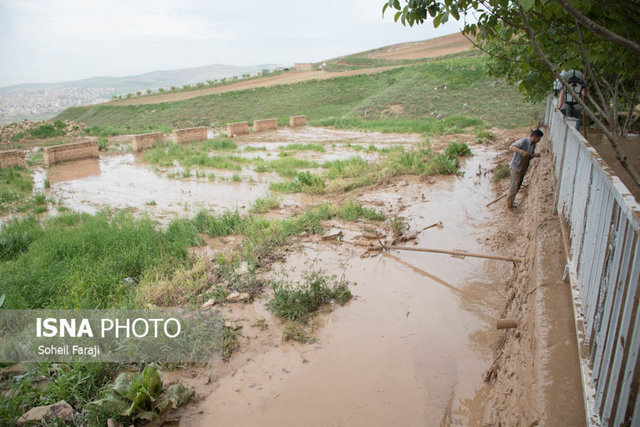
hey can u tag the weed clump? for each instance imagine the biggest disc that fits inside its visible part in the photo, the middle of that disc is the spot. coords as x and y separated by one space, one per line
501 172
298 302
264 204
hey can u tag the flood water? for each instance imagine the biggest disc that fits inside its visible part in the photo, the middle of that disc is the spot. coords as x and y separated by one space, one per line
412 346
409 349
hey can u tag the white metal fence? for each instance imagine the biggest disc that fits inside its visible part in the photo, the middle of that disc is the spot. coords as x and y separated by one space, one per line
602 219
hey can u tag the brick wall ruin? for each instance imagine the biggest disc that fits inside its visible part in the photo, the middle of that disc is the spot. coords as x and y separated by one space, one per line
73 151
146 140
10 158
297 121
183 136
266 124
238 128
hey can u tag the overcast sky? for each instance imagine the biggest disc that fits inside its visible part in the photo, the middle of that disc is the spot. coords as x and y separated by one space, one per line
57 40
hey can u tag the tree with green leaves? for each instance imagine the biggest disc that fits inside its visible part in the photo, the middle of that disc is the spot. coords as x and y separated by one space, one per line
531 41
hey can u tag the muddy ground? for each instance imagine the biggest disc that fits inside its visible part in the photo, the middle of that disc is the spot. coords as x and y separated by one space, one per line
418 343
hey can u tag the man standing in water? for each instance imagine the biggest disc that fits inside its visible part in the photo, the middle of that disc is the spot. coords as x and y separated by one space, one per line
523 151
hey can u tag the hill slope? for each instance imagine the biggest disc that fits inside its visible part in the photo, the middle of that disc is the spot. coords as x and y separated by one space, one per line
440 89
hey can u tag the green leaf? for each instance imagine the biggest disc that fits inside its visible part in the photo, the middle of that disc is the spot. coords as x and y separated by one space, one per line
152 381
436 20
175 396
121 384
111 406
147 415
527 4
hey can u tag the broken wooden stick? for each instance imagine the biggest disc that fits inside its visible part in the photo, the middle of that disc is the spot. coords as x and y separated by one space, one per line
437 224
507 324
495 200
453 252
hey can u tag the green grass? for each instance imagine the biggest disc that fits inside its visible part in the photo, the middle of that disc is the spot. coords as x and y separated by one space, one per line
296 302
457 87
345 175
53 265
303 182
264 204
16 186
198 154
501 172
286 167
303 147
77 384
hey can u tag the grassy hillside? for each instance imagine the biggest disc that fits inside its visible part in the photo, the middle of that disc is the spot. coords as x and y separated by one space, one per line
450 87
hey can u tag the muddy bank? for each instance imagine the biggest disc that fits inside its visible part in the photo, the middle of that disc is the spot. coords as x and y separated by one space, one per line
535 376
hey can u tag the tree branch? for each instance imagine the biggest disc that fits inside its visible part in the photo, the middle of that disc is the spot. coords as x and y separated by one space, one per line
613 139
599 29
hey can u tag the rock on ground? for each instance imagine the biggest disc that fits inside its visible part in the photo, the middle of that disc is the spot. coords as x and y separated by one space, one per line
58 411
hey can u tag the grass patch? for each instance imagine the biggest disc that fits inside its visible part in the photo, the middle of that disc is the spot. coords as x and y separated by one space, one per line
303 147
77 384
296 302
426 126
264 204
286 167
501 172
16 186
199 154
296 331
304 182
346 175
485 137
53 264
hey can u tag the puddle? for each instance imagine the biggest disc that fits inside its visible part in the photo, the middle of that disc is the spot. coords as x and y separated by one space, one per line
412 346
122 181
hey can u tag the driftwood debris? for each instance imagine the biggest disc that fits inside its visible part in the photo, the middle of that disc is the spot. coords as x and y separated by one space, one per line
496 199
507 324
451 252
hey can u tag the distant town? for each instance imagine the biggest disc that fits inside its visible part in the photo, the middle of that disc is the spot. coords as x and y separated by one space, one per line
37 104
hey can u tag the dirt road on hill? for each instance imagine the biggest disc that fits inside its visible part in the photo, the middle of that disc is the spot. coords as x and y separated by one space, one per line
446 45
282 79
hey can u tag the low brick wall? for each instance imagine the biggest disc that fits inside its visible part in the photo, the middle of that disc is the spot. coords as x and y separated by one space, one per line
183 136
146 140
297 121
238 128
73 151
266 124
12 158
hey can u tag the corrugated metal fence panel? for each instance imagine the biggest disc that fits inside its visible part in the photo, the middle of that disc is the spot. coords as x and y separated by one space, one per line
625 335
579 205
567 177
558 131
605 261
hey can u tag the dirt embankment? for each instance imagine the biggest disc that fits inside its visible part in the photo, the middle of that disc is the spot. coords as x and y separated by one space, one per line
440 46
535 375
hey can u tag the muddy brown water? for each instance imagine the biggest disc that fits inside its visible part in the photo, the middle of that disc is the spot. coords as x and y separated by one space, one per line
125 181
412 346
